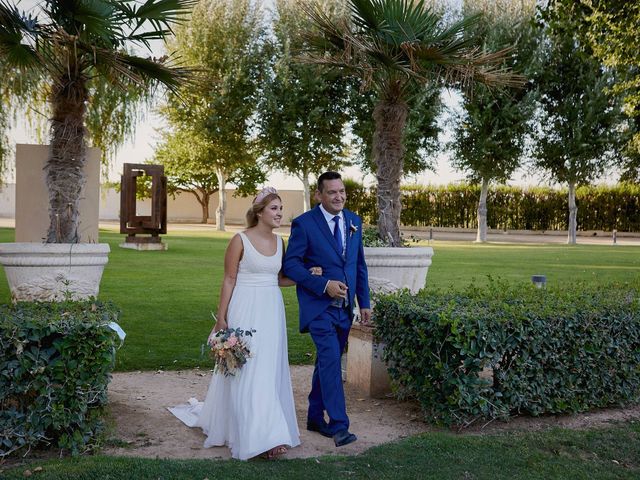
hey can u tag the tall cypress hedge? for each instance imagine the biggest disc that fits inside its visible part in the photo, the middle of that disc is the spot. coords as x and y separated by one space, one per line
510 208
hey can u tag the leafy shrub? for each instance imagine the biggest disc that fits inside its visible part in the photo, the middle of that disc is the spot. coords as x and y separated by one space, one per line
504 350
371 238
55 364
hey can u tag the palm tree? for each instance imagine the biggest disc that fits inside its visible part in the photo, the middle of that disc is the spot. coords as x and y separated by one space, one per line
395 46
74 46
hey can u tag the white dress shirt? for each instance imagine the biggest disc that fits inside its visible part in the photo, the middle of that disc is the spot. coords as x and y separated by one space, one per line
332 225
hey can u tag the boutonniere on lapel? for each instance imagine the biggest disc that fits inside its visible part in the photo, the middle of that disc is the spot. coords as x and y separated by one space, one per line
352 228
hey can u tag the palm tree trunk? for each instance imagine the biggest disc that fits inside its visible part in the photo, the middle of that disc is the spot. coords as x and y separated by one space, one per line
64 169
573 215
222 200
482 212
390 117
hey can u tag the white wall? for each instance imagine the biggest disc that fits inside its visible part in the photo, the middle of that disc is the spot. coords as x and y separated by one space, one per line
184 208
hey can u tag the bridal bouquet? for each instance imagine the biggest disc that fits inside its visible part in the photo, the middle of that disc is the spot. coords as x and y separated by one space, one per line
229 350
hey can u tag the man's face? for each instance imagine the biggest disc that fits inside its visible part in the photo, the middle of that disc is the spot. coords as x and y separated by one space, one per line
332 196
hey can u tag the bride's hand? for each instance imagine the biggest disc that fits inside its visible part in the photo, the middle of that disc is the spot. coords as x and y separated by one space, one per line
220 325
316 270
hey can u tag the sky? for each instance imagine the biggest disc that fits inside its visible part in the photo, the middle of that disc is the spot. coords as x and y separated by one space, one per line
141 148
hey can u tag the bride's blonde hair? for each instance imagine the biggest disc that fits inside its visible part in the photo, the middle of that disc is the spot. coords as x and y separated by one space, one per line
264 198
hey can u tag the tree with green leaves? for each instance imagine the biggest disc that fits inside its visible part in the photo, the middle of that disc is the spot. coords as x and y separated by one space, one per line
489 136
5 115
611 30
187 165
576 136
224 40
18 88
71 47
186 159
4 142
304 108
394 47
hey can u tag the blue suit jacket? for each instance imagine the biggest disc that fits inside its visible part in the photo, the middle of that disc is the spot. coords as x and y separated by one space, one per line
312 244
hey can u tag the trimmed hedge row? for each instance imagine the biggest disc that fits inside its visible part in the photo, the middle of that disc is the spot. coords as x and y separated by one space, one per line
55 364
509 208
504 350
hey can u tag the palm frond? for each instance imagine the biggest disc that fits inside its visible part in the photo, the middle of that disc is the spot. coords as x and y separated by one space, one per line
387 38
161 14
487 68
329 33
144 37
84 18
125 69
366 14
17 33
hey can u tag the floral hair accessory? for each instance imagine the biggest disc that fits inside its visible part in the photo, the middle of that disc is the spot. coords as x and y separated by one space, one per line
263 193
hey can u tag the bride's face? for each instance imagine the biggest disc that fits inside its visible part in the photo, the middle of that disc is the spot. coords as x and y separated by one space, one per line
272 213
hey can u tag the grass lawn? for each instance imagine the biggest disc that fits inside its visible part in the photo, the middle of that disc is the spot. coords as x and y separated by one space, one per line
166 297
611 453
456 264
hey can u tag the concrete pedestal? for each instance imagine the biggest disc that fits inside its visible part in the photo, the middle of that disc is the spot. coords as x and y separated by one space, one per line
389 270
144 246
365 369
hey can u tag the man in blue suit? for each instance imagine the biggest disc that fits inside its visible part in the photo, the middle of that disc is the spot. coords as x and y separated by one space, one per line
328 236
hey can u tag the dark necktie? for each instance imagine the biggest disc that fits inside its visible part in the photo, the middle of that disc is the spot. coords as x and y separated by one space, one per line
336 233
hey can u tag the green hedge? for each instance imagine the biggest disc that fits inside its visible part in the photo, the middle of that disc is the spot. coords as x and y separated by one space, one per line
510 208
55 364
550 351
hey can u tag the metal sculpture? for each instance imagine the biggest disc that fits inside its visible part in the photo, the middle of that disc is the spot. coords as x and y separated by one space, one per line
132 224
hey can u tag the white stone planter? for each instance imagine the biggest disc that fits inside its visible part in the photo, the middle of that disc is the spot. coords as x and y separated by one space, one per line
393 268
53 271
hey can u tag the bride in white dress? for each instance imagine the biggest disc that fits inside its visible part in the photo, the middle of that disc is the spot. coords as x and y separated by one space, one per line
252 412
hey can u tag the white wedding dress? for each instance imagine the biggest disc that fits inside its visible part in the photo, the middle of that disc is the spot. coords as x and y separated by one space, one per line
253 411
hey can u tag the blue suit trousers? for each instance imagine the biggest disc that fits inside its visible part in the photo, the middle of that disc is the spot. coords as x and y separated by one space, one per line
329 332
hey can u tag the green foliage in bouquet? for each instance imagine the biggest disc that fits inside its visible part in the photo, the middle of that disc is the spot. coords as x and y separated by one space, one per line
230 350
55 364
503 350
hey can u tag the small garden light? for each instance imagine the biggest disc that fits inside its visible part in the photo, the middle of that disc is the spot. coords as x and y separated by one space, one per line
539 280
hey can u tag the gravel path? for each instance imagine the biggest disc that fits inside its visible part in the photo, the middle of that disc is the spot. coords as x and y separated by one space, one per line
143 427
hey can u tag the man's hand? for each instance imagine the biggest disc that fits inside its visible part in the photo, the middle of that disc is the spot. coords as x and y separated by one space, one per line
365 316
336 289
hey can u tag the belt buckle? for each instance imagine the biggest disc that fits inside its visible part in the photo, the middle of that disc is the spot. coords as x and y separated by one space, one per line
338 303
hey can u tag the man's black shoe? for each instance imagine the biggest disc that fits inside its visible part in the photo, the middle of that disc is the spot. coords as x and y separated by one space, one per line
322 429
343 437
